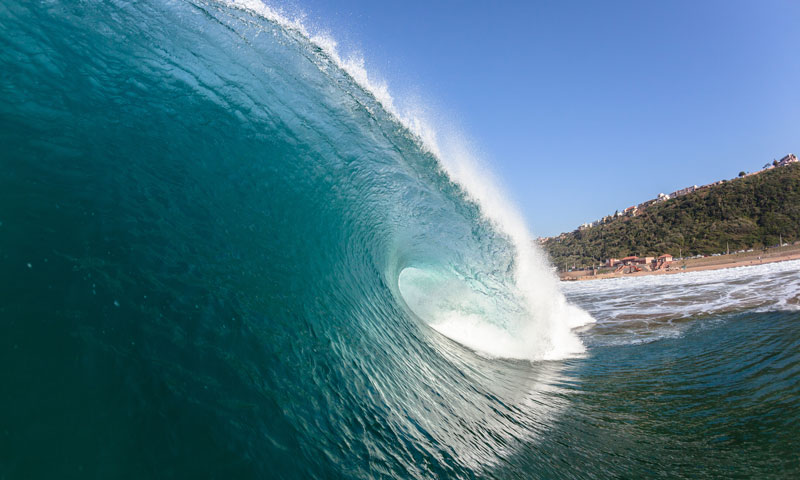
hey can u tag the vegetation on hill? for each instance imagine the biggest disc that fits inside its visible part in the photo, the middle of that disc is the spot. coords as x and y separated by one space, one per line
744 213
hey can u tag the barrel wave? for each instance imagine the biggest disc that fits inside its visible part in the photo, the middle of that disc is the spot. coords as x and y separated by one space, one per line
227 254
208 192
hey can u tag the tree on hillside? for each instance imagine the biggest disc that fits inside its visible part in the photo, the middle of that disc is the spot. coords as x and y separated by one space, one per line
742 174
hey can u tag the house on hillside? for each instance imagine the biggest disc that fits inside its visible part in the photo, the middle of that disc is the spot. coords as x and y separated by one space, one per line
629 260
791 158
683 191
644 205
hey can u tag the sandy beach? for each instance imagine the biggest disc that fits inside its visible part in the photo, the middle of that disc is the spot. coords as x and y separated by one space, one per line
744 259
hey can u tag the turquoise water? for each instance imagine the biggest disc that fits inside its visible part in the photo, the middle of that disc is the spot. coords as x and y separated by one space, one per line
224 257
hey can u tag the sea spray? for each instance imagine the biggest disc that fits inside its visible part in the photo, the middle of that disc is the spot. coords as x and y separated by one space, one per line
545 329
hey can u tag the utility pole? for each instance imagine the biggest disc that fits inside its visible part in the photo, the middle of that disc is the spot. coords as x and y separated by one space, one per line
728 246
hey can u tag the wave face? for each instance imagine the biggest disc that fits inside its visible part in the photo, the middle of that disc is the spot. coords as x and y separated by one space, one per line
227 237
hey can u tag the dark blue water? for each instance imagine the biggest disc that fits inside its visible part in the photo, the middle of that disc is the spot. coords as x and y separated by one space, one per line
204 222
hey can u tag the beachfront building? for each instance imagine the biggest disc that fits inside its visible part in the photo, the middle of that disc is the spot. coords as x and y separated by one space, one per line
612 262
663 261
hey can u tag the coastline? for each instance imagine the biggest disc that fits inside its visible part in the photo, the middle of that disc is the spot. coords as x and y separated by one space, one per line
778 254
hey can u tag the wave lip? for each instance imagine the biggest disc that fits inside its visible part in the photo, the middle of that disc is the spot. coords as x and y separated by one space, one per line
544 330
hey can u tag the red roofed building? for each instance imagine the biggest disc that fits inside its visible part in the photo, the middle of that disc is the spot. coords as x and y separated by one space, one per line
663 261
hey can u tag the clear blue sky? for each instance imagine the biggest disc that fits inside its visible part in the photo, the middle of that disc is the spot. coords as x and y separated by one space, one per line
582 108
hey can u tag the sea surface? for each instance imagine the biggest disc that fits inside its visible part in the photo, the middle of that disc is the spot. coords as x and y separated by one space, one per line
227 252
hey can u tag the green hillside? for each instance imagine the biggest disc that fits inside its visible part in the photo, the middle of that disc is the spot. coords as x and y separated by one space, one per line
749 212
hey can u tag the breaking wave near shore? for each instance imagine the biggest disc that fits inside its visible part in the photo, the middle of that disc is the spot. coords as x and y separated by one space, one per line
228 252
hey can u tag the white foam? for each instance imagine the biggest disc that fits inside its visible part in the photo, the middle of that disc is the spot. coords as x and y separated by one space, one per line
656 305
483 320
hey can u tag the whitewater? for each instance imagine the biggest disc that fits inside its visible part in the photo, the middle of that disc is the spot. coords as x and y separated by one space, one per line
229 252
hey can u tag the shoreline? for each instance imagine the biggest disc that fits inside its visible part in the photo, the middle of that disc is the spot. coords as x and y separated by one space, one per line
789 253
